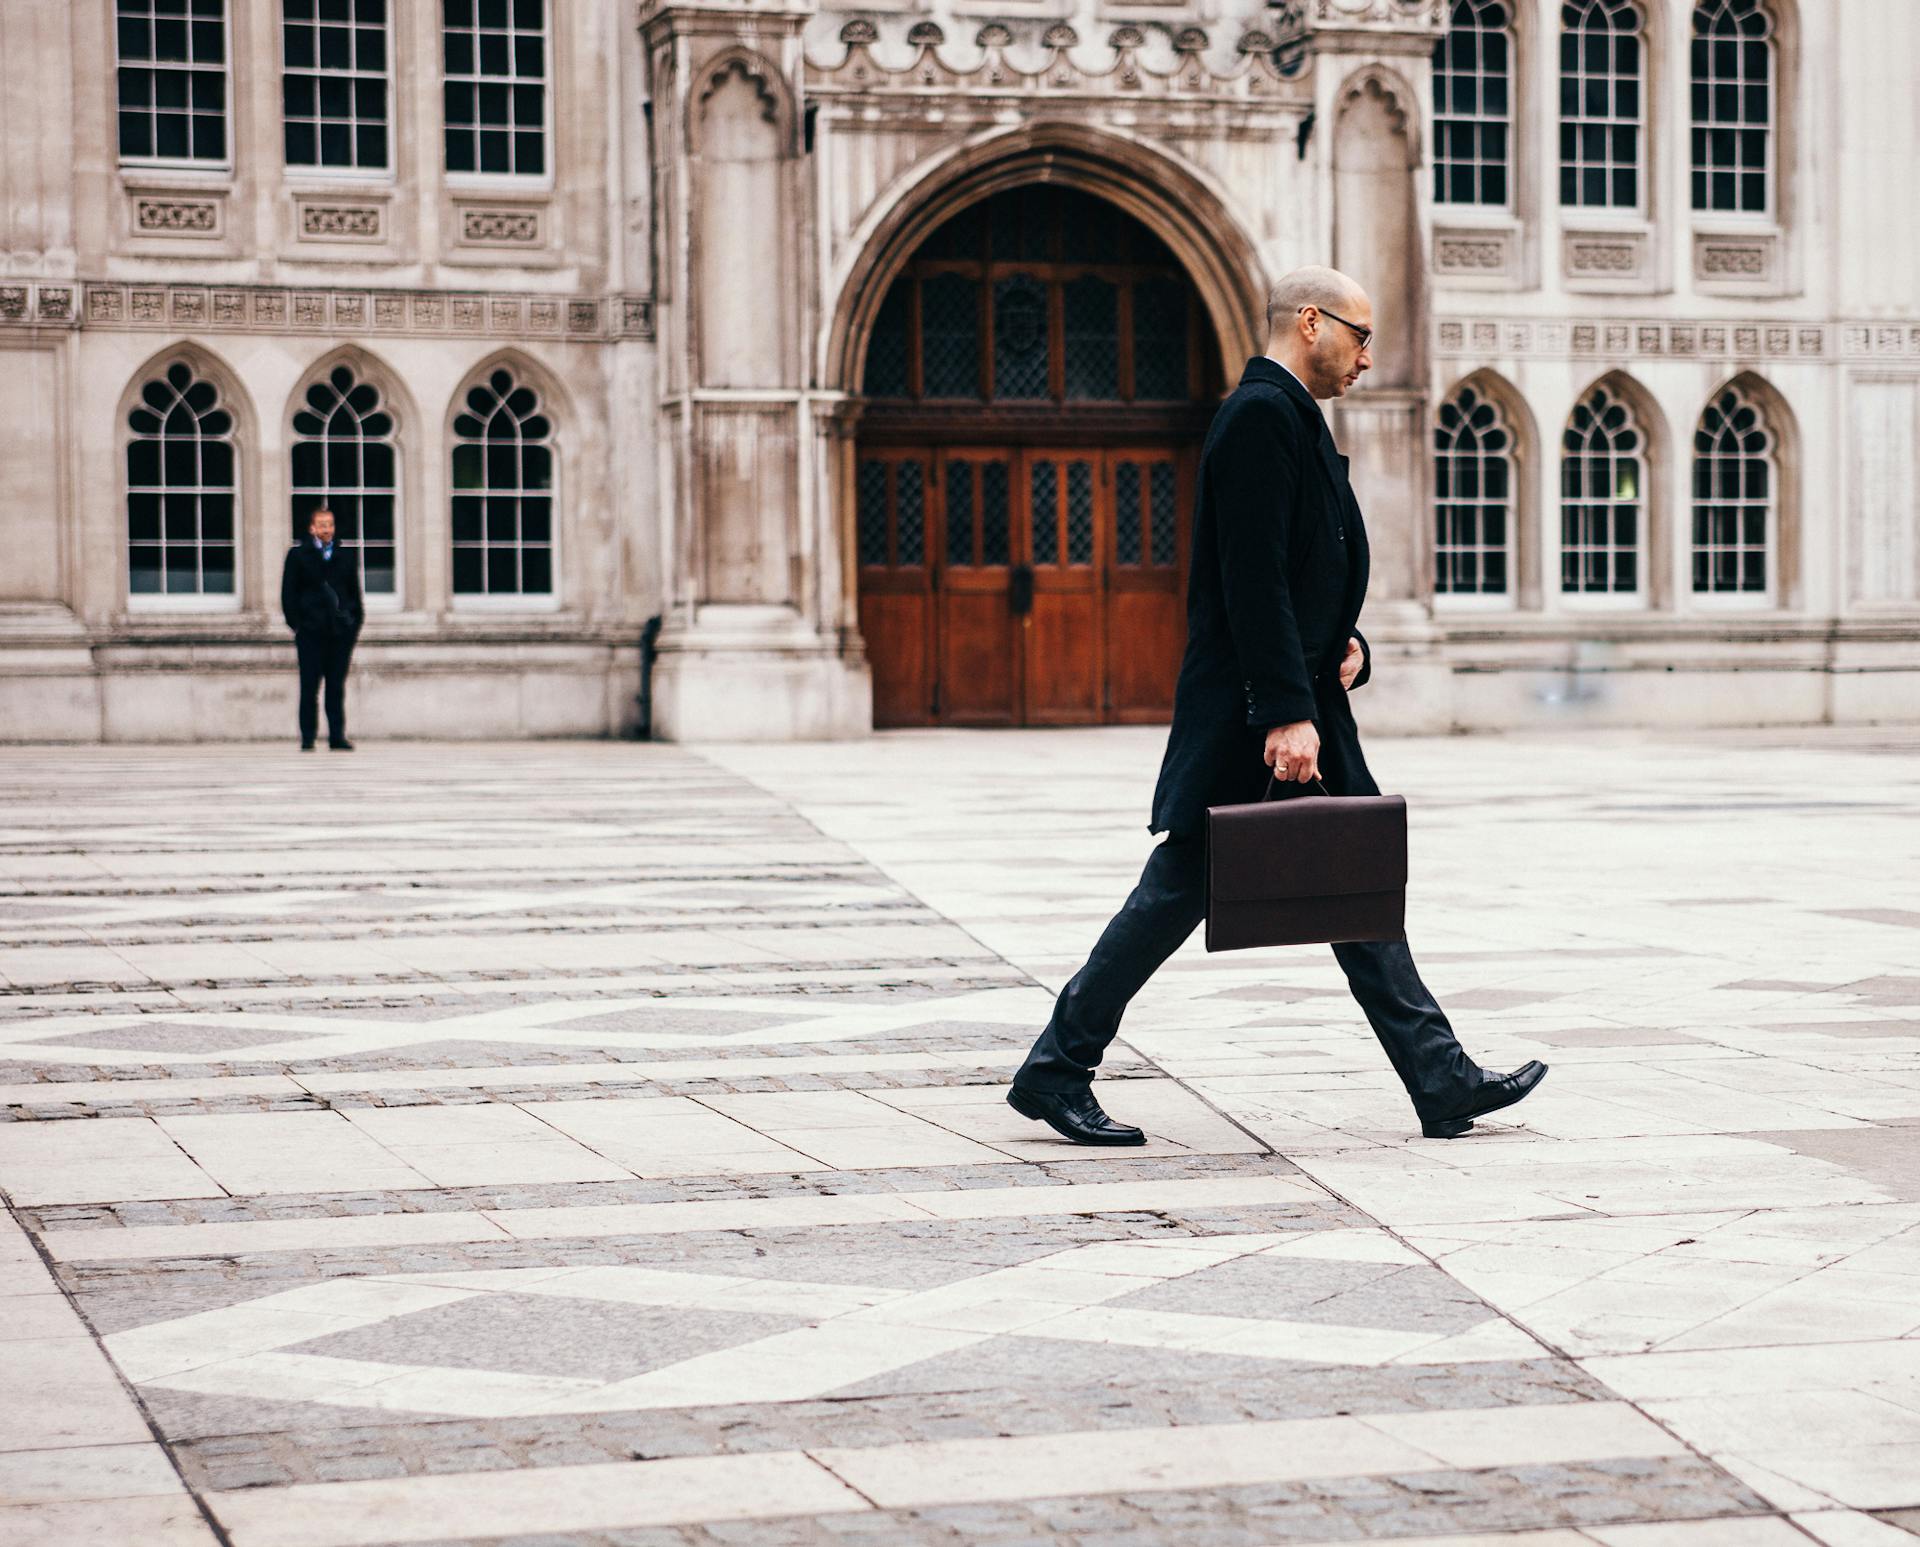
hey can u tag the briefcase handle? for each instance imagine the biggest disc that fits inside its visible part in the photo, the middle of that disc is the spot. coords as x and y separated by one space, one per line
1273 783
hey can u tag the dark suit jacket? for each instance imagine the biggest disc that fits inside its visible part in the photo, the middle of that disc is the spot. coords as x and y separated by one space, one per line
1279 570
303 596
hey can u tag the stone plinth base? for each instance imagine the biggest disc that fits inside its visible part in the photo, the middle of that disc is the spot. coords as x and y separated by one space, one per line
756 674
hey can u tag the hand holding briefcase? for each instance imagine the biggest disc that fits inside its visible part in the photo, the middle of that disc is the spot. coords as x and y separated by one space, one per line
1311 869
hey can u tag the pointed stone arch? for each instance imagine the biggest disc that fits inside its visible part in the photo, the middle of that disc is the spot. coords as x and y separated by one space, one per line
1657 460
1783 427
1528 470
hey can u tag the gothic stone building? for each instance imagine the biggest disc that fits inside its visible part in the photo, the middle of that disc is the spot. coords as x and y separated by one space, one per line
869 349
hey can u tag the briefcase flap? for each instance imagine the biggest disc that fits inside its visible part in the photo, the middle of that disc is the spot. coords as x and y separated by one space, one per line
1308 846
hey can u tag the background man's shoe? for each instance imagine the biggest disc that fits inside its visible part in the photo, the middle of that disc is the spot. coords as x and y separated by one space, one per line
342 745
306 746
1501 1090
1077 1117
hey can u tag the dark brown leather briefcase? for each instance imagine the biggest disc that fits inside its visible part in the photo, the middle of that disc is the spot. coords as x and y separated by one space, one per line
1306 870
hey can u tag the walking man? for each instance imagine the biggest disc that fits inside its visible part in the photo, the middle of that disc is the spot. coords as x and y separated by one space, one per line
320 596
1278 575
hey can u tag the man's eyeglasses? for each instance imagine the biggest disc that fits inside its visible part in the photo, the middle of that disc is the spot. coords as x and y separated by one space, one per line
1365 334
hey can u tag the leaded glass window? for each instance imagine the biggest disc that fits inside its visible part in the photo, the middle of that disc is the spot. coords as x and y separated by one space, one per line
1090 313
172 79
996 527
182 490
1044 485
1163 513
890 503
887 353
1472 105
343 458
1732 106
1601 108
503 481
1128 547
1160 339
950 336
1038 295
1602 498
1020 337
1733 498
495 87
334 85
1473 497
1079 512
960 519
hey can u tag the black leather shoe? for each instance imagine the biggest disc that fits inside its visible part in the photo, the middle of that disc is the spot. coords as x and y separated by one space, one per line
342 745
1500 1090
1077 1117
306 746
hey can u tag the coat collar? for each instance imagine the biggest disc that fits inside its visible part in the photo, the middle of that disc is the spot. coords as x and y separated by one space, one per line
1266 369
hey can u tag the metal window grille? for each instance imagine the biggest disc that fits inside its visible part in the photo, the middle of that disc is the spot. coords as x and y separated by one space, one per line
1733 497
886 374
1163 513
334 92
1127 546
1732 106
1020 334
1043 481
172 79
1473 497
503 471
1600 104
870 497
960 513
1160 340
1472 106
343 458
496 86
1090 323
181 489
996 529
1602 479
910 505
950 336
1079 512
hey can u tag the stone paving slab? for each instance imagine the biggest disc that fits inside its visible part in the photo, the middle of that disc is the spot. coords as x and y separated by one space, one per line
603 1144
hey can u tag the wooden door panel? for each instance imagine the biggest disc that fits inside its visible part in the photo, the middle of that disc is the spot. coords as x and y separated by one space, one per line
1061 636
979 659
893 538
1146 572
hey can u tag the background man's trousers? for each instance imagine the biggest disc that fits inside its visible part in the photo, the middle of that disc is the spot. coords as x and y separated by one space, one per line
323 657
1165 908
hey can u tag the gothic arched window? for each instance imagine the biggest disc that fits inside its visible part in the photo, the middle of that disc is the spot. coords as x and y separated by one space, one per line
503 476
1734 499
1732 106
343 458
1602 105
1473 106
182 491
1603 510
1473 494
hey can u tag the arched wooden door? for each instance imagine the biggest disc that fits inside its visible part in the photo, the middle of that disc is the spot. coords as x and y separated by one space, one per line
1038 381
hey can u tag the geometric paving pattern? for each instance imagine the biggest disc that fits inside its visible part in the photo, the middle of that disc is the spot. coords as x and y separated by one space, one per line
604 1144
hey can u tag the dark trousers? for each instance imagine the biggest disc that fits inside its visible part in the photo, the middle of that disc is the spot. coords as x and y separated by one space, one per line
323 657
1164 909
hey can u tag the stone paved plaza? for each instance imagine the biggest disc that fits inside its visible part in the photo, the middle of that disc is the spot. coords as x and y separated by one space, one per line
604 1144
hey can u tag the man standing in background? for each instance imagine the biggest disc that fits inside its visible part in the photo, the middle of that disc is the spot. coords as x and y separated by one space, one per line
320 596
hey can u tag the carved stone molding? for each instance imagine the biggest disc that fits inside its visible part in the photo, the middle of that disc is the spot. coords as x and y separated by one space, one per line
264 309
1738 260
50 304
1601 259
1475 253
513 226
333 221
177 215
1652 339
994 64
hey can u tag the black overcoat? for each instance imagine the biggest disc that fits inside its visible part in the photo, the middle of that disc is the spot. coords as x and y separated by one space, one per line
1278 573
303 591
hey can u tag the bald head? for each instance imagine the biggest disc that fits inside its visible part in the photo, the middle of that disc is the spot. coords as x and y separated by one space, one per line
1320 326
1315 285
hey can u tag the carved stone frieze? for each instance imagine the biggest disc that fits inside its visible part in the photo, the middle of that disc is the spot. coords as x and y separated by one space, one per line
173 215
1474 254
334 222
1629 339
515 226
1735 260
1046 58
267 309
